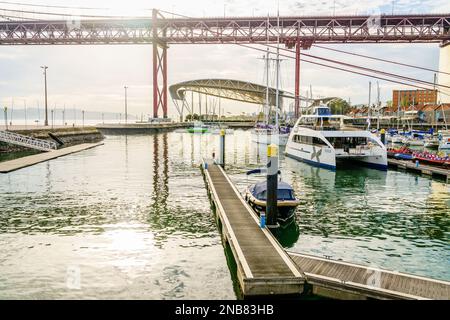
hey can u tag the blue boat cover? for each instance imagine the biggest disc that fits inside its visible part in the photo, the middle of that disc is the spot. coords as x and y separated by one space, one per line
284 191
404 156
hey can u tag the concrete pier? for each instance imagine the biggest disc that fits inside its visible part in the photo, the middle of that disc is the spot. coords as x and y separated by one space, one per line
16 164
440 172
137 128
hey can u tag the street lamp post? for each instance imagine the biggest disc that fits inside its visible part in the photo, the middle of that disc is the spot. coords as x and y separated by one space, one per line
25 109
82 112
126 111
45 81
6 117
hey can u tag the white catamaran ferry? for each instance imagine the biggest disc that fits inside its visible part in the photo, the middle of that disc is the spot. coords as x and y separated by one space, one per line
321 139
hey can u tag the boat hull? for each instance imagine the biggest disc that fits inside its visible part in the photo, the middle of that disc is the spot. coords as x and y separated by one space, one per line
280 139
445 143
397 140
431 144
326 156
197 130
411 142
286 209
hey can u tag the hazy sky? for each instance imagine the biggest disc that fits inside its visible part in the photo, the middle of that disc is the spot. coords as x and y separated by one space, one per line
92 77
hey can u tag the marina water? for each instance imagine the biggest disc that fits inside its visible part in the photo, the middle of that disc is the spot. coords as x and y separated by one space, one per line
132 219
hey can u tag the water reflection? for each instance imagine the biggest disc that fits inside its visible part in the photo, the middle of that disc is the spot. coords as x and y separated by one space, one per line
287 235
389 219
133 216
149 188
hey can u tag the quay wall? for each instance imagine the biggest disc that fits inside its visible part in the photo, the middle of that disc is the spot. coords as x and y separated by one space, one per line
69 136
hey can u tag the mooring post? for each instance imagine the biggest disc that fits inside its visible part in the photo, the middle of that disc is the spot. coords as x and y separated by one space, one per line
222 148
383 136
272 185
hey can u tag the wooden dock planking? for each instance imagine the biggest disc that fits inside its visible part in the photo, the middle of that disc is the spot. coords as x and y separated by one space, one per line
422 168
335 278
16 164
263 266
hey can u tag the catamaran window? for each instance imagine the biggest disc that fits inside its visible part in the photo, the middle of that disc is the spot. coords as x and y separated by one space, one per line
308 140
318 141
349 142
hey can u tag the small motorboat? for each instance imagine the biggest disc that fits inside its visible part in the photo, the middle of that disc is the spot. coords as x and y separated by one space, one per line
431 143
439 159
404 156
218 129
398 139
444 139
403 153
413 141
198 127
256 196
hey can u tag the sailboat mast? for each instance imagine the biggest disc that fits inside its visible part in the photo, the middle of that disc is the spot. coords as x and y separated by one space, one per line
378 105
369 113
398 109
277 68
200 106
267 108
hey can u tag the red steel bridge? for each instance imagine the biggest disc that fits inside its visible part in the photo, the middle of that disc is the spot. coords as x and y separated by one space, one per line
298 32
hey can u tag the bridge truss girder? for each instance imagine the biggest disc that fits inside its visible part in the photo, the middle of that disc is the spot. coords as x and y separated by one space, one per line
161 31
313 29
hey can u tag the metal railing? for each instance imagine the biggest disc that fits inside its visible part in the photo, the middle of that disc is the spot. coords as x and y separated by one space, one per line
27 141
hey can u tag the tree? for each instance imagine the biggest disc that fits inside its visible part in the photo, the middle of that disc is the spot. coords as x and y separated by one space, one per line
404 102
339 106
260 116
191 117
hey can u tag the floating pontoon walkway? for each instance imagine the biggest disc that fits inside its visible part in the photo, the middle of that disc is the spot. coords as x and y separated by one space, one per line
422 168
264 267
11 165
344 280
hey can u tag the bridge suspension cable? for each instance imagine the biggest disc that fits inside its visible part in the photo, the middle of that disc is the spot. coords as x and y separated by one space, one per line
337 68
49 6
409 79
350 71
404 78
366 69
62 14
380 59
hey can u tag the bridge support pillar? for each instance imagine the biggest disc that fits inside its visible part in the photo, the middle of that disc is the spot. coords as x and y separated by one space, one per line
159 70
297 79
